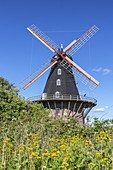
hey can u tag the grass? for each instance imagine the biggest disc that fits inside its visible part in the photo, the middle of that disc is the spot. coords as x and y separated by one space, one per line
56 144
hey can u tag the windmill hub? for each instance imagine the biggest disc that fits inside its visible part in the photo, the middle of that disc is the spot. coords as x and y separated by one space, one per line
61 95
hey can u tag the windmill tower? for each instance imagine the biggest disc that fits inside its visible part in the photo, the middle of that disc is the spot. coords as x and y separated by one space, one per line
61 95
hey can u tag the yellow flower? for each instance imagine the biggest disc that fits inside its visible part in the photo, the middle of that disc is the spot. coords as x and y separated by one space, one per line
81 154
71 140
105 159
65 163
110 139
54 149
21 150
104 138
29 149
66 154
52 139
101 132
66 158
78 166
13 152
98 154
9 149
7 138
102 160
69 136
38 133
88 142
35 143
63 147
95 150
56 159
62 166
54 154
58 152
38 157
91 164
10 145
4 141
34 154
46 154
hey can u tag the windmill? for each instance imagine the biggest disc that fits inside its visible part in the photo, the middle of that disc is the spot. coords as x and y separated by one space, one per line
61 95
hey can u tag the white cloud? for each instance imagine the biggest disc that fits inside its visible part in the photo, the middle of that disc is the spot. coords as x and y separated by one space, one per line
97 69
99 110
105 71
106 107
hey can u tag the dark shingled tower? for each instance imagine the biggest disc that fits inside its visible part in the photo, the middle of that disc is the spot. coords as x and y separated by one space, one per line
61 80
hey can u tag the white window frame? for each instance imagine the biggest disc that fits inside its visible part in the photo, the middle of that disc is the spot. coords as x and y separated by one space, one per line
58 82
59 71
57 94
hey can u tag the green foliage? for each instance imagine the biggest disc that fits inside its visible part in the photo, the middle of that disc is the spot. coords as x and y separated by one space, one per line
29 139
13 107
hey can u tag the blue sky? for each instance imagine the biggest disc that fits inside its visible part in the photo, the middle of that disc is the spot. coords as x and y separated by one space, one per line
63 21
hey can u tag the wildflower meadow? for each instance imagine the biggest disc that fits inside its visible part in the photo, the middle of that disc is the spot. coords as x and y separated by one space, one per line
30 140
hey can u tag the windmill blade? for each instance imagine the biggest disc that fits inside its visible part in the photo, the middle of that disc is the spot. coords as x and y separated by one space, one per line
37 73
43 38
69 46
77 44
80 74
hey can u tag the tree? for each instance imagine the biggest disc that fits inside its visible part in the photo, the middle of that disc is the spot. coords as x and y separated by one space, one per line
13 107
5 83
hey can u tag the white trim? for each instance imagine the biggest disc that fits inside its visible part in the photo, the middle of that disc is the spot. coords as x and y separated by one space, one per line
59 71
57 94
69 45
58 82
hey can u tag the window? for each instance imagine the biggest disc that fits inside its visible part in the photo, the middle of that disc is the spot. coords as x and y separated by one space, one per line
59 71
58 82
57 94
44 96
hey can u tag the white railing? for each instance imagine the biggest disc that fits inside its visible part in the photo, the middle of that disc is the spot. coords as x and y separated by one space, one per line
63 97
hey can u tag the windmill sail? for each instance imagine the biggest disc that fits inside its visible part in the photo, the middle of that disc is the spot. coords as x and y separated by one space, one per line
37 73
80 74
43 38
77 44
65 62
